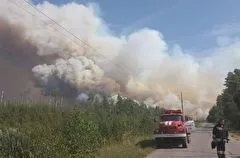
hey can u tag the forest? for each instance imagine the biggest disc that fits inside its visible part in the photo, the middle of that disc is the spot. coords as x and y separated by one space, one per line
228 102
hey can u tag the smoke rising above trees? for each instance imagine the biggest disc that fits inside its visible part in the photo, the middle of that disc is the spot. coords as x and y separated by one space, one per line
140 65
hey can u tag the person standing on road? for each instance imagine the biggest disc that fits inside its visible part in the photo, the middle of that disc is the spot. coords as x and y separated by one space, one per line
220 137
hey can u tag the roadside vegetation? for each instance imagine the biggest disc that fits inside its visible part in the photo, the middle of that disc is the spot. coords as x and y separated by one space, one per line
136 147
92 130
228 103
197 122
236 135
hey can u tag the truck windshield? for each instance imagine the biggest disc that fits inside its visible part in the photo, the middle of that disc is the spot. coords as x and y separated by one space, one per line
171 118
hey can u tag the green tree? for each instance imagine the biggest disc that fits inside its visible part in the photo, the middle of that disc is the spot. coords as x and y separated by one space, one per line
214 114
228 103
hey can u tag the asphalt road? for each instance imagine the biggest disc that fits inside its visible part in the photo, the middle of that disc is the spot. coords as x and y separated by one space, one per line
199 147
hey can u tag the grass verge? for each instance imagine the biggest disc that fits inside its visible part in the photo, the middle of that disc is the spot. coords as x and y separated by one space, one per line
137 147
236 135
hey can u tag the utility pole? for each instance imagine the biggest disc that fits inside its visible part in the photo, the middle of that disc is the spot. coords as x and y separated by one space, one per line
2 96
182 102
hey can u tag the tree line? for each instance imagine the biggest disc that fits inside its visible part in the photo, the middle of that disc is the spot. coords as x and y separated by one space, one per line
38 130
228 102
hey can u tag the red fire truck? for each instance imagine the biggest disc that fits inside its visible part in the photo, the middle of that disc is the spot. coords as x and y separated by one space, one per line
171 129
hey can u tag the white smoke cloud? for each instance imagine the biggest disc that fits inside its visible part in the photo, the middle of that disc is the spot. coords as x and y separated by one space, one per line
82 98
142 64
77 72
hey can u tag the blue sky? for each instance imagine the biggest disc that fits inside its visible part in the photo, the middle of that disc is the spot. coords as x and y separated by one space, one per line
194 24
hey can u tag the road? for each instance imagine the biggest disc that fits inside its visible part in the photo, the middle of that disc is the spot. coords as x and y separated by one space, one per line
199 147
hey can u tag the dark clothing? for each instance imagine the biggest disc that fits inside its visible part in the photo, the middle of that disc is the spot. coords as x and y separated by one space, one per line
220 136
220 132
221 146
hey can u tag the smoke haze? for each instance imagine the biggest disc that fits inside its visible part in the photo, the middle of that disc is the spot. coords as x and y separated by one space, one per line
17 57
141 65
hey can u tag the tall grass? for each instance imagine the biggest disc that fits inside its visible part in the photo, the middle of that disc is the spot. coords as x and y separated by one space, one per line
37 130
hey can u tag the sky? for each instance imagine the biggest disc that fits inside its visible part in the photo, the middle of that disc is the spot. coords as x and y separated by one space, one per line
194 25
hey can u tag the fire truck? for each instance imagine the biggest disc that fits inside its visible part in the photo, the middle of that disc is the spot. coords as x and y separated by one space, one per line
171 129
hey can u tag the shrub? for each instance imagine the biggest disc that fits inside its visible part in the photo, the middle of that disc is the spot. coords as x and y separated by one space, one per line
81 135
15 144
49 131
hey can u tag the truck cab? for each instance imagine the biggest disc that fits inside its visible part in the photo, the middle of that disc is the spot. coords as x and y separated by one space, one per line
171 129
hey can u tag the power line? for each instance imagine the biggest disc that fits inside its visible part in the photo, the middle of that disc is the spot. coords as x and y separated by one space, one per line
75 36
24 9
68 31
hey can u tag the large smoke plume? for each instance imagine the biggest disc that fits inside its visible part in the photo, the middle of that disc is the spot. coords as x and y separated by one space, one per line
17 57
142 65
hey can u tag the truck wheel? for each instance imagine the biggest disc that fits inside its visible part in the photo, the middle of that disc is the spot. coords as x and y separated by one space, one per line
184 144
157 144
189 140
